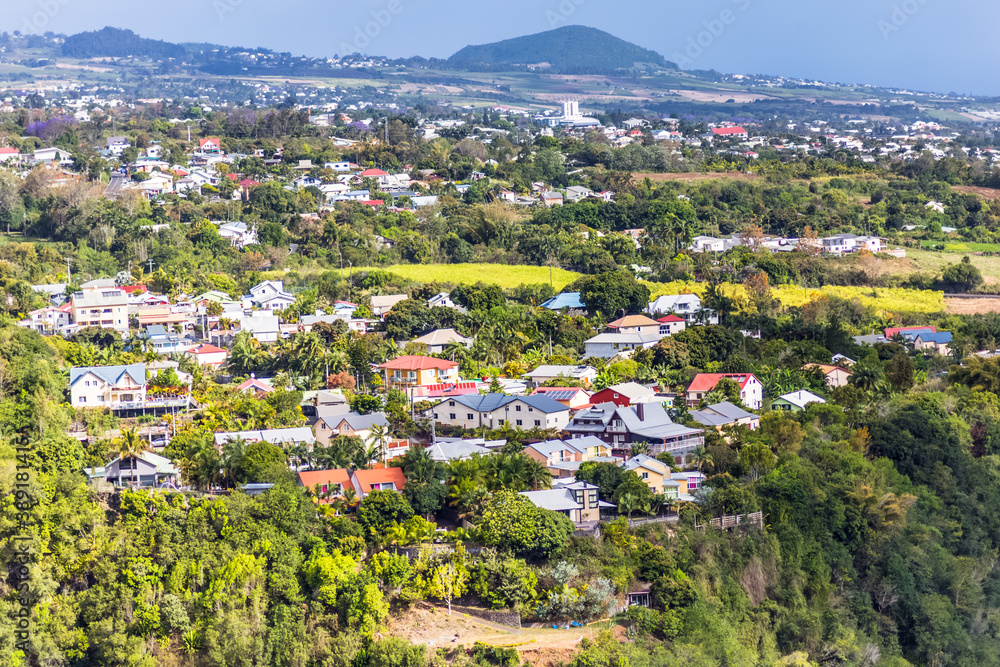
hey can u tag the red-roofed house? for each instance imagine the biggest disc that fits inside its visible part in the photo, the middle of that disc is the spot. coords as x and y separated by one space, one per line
256 386
444 390
373 202
7 154
751 389
672 324
415 371
731 132
373 173
210 145
209 355
380 479
330 481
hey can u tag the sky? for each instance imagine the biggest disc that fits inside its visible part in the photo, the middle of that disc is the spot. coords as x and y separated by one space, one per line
930 45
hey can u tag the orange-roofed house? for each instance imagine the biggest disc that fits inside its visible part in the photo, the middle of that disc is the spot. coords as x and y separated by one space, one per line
751 389
639 324
332 482
209 356
373 173
835 375
379 479
416 371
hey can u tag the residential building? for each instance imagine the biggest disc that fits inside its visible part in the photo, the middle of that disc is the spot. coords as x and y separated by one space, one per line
939 342
644 423
283 437
578 501
725 414
415 371
672 324
651 471
796 401
636 324
330 483
546 373
377 479
209 356
751 389
443 300
383 304
48 320
444 451
611 345
239 234
349 424
834 376
573 398
494 410
143 470
736 132
437 341
210 145
621 395
265 328
111 387
687 306
106 309
258 388
551 199
569 301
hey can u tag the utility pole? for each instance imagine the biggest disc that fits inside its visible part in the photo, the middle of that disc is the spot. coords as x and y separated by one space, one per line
151 263
69 272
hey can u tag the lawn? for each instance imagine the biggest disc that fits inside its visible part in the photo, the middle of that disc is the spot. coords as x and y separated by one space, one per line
887 301
498 274
935 262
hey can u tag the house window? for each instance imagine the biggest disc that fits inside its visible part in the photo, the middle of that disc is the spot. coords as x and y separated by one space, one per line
470 416
645 475
517 408
452 416
538 423
592 498
519 422
451 404
83 399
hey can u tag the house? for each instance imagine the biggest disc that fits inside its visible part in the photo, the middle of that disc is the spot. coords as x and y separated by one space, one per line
445 451
751 389
441 391
143 470
282 437
672 324
892 332
621 395
637 324
106 309
256 387
568 301
573 398
725 414
210 145
49 155
331 482
265 328
835 376
687 483
46 320
383 304
494 410
578 192
209 356
563 458
443 300
796 401
167 342
644 423
687 306
437 341
578 501
551 199
547 373
710 244
651 471
111 387
416 371
939 342
730 133
8 154
378 479
610 345
117 145
239 234
349 424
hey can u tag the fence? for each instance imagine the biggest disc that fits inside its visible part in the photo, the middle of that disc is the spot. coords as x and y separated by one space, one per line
726 521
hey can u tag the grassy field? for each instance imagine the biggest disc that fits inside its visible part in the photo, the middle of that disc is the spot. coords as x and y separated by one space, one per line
887 301
935 262
965 247
497 274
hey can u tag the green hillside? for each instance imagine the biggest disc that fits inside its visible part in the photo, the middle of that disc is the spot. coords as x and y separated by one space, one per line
572 48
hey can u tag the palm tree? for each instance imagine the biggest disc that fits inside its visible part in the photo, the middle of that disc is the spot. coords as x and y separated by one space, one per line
629 502
202 465
232 460
702 460
350 497
380 438
246 354
128 446
537 475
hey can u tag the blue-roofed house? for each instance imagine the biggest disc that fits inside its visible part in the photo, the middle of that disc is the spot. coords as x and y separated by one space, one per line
568 301
939 342
107 386
494 410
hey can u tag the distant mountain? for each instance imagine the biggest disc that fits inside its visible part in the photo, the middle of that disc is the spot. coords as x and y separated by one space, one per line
117 43
571 49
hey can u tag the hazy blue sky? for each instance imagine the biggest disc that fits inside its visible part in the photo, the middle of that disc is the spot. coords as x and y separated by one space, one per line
927 44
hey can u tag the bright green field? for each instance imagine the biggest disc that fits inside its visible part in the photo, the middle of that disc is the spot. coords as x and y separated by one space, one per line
497 274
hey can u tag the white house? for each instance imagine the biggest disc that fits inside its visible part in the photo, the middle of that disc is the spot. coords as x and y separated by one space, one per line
107 386
494 410
687 306
610 345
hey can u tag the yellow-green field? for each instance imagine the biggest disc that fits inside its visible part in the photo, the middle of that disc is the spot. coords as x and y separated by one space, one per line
887 301
497 274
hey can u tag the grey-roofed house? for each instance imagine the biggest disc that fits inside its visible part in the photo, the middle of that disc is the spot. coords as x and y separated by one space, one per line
797 401
283 437
350 424
610 345
643 423
725 414
383 304
546 373
578 501
456 450
265 328
144 470
494 410
437 341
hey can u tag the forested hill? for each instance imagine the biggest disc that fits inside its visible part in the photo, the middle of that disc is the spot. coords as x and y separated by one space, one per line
571 48
118 43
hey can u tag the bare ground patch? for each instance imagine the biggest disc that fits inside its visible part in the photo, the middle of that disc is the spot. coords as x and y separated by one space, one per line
698 176
986 193
971 306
